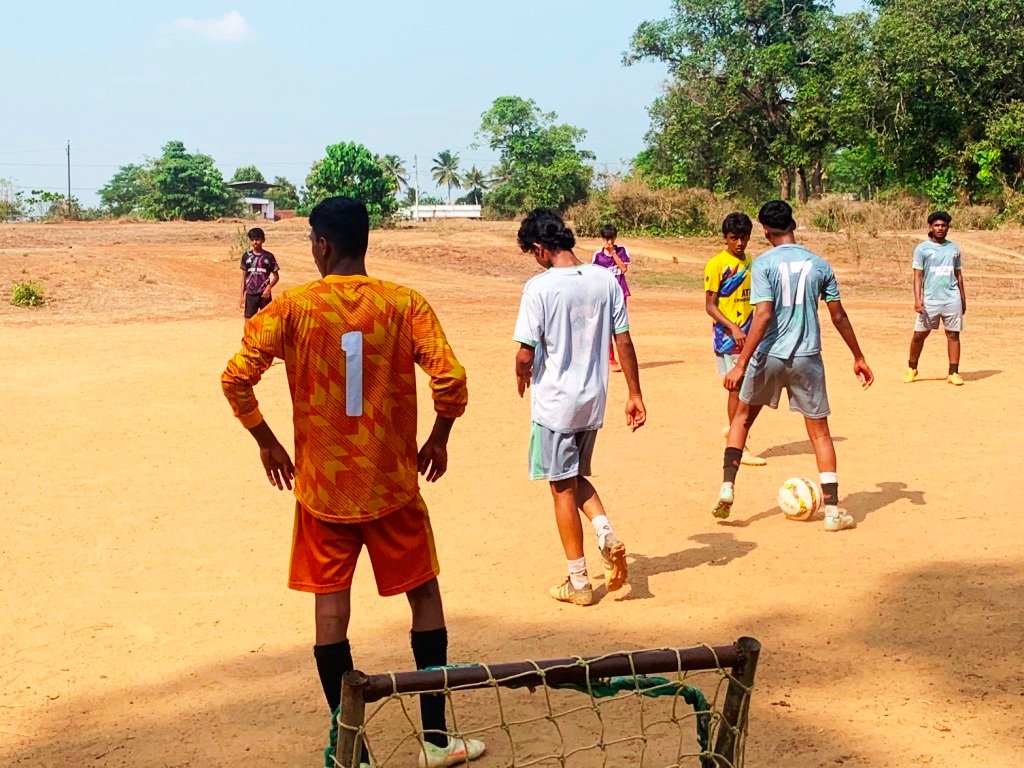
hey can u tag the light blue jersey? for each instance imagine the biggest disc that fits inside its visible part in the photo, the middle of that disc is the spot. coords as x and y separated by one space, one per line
793 279
939 262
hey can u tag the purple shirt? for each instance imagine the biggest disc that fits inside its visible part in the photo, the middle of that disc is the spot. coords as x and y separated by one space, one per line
258 270
602 259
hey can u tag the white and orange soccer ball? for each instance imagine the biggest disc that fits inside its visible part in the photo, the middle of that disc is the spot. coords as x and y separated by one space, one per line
800 498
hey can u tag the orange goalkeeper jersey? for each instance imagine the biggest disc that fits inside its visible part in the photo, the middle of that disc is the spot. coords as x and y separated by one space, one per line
349 345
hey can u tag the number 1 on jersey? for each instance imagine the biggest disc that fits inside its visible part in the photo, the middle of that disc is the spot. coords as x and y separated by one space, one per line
802 268
352 346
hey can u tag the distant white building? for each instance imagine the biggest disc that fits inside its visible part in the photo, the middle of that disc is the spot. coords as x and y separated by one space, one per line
420 212
256 205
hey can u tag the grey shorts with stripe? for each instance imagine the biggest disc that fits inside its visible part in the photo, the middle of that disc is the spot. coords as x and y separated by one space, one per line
803 378
951 315
560 455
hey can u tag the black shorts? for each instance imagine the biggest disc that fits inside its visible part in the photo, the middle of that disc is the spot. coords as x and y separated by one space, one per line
254 302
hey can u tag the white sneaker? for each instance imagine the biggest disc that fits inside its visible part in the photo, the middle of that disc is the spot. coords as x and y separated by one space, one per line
839 522
725 499
751 459
458 752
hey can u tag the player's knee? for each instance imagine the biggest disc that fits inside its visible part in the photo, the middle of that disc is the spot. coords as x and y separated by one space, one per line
817 428
953 335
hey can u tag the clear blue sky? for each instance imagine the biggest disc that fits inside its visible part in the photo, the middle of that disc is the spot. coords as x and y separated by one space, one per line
271 83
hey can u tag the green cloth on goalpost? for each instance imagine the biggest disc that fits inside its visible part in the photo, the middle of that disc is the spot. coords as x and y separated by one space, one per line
653 687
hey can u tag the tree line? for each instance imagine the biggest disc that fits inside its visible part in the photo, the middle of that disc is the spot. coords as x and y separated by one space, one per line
789 97
763 98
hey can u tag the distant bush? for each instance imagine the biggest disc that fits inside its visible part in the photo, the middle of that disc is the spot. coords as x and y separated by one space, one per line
636 208
897 211
27 294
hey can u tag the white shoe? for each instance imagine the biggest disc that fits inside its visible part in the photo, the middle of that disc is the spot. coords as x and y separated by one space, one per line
752 460
725 499
839 522
458 752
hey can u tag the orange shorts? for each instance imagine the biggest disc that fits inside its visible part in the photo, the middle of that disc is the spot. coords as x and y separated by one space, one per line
401 547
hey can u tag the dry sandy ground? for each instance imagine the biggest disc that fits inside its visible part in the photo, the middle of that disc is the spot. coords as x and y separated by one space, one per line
145 621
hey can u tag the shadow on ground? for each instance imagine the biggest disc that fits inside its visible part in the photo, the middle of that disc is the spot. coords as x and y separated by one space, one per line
795 448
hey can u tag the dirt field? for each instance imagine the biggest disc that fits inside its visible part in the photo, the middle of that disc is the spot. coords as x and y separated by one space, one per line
145 621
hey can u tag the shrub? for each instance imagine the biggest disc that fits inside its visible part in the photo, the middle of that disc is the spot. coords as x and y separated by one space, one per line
27 294
636 208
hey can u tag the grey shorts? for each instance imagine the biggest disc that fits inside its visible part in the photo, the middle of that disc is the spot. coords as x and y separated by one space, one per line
803 378
726 363
952 316
560 455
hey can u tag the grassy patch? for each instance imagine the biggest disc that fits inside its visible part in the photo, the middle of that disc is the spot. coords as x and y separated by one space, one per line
27 294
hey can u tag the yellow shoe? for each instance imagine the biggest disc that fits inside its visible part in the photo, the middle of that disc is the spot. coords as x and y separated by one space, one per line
955 379
910 376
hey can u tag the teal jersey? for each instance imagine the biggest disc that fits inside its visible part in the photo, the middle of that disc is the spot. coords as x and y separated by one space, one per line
940 263
793 279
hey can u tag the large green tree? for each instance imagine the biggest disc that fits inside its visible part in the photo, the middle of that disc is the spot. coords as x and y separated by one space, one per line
737 70
248 173
945 76
188 186
540 163
350 169
128 190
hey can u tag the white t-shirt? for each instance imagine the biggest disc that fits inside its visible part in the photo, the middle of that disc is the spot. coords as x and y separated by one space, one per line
568 315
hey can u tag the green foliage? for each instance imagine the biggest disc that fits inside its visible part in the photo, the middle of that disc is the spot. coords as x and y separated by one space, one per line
12 204
540 164
445 170
394 168
350 169
54 206
751 97
248 173
127 191
27 294
476 184
187 186
941 188
283 194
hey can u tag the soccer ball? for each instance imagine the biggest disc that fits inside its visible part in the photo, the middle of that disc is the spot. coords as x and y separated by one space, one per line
800 498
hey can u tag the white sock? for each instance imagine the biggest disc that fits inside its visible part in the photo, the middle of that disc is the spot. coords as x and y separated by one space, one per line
578 573
602 527
831 510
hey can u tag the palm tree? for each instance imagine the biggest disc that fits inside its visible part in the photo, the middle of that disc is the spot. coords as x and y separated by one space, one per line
446 171
394 168
475 182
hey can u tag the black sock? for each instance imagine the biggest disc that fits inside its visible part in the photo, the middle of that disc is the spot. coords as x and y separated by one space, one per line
831 493
731 464
430 649
912 364
332 662
954 368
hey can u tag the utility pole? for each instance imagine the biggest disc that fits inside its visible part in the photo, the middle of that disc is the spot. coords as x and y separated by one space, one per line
69 173
416 177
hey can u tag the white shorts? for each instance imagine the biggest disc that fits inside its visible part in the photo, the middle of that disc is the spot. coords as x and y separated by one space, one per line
726 363
952 316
